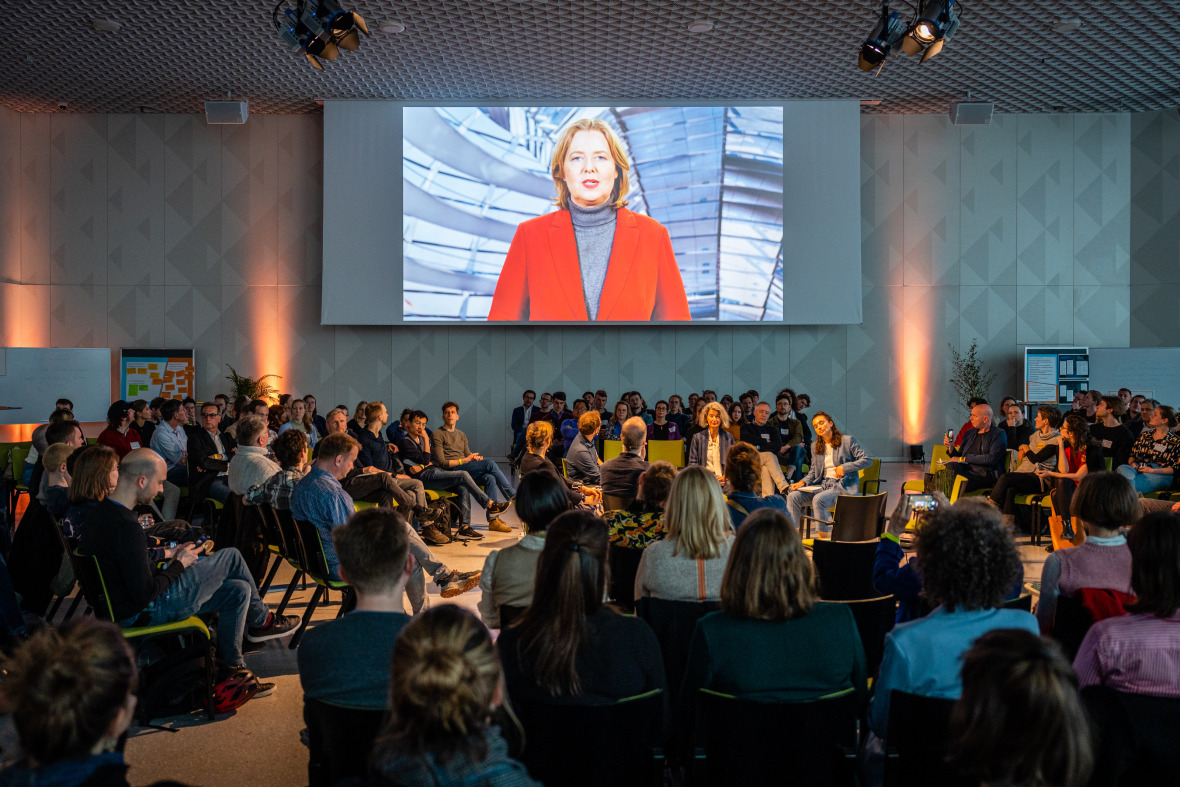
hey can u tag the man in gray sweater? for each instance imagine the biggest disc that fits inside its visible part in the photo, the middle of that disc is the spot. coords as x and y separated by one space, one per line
451 451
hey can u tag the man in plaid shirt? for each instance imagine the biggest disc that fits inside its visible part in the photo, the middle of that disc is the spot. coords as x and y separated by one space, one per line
291 451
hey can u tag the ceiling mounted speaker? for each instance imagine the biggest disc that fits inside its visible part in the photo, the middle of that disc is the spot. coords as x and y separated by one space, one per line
226 112
972 113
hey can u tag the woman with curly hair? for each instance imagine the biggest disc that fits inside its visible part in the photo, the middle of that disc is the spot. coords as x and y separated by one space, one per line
967 562
710 446
743 471
446 683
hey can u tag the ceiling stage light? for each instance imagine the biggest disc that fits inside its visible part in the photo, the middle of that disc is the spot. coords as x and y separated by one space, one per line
318 29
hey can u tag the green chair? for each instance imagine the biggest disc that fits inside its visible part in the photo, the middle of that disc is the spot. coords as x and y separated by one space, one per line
870 475
565 468
361 505
611 449
19 454
192 629
666 451
433 494
316 568
937 454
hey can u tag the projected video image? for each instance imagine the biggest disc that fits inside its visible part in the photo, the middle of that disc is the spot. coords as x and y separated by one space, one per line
593 214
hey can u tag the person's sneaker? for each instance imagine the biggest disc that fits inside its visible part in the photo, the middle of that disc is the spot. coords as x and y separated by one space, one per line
467 532
498 508
264 689
496 525
432 535
425 515
275 626
457 583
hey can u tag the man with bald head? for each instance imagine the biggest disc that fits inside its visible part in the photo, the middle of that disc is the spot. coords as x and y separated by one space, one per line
620 476
147 584
980 457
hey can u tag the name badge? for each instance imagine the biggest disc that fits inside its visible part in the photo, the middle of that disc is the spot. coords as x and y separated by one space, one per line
784 432
1159 448
1106 444
134 446
765 436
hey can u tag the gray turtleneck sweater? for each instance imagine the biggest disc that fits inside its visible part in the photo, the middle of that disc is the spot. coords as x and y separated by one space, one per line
594 231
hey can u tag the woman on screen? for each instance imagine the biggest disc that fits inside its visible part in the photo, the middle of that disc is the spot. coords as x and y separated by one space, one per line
592 260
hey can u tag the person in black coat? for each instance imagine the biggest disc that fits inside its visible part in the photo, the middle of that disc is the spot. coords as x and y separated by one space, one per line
209 452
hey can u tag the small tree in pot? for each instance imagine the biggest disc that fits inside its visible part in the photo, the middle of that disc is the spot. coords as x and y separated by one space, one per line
969 377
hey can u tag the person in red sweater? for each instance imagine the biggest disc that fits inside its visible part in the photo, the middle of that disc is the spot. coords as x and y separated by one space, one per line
119 434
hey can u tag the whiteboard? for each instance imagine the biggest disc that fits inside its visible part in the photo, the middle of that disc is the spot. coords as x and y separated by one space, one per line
1153 371
34 378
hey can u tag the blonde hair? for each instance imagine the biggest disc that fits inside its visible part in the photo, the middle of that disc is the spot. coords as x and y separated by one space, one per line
695 514
56 455
538 432
444 675
622 165
703 418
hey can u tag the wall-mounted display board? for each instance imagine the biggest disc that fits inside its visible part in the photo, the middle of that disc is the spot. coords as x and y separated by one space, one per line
146 374
32 379
1052 375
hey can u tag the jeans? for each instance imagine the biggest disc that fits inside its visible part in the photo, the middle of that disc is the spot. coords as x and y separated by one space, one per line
220 583
459 480
794 456
488 475
1145 482
820 502
219 489
416 586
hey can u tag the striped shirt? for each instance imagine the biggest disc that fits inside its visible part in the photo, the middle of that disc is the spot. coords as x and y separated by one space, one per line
1138 654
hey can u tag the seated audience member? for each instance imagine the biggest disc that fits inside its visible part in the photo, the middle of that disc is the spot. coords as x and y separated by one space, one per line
569 427
277 415
276 491
538 438
418 458
687 565
620 476
321 500
972 403
600 400
835 469
581 458
209 453
190 411
1077 455
662 427
1016 430
1039 453
170 441
96 472
711 445
1020 720
144 594
447 682
1155 454
251 465
567 646
1133 419
357 422
257 407
141 422
773 639
374 554
693 425
64 432
1115 438
520 421
71 695
317 420
790 431
802 402
451 451
389 486
639 407
1103 503
737 419
544 411
891 577
743 471
299 418
614 425
760 434
509 574
677 414
63 412
642 522
1139 653
979 456
55 496
967 562
120 434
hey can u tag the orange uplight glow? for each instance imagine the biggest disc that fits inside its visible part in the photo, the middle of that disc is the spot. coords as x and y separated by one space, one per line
266 340
915 352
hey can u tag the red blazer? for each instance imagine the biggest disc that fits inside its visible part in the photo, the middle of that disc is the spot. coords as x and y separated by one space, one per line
541 280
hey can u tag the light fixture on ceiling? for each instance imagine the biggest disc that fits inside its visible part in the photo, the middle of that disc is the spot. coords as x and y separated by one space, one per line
106 25
700 26
391 27
318 29
930 27
1067 25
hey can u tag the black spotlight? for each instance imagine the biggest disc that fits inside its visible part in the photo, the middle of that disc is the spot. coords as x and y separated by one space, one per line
886 33
318 29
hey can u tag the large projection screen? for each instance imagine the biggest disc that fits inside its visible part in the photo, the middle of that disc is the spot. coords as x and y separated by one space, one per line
736 214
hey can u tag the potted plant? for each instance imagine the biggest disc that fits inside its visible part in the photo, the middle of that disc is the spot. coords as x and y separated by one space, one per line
969 378
254 388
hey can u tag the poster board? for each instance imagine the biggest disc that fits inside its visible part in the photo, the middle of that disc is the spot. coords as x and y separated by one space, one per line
33 378
146 374
1052 375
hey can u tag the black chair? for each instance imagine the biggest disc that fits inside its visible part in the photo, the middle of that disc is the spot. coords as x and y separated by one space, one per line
1071 621
1022 602
68 547
742 742
845 569
316 568
916 743
293 554
1136 736
624 565
874 619
616 503
339 740
854 517
673 623
276 547
618 743
35 558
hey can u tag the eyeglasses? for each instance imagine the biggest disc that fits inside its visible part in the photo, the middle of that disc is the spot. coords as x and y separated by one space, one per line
209 415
